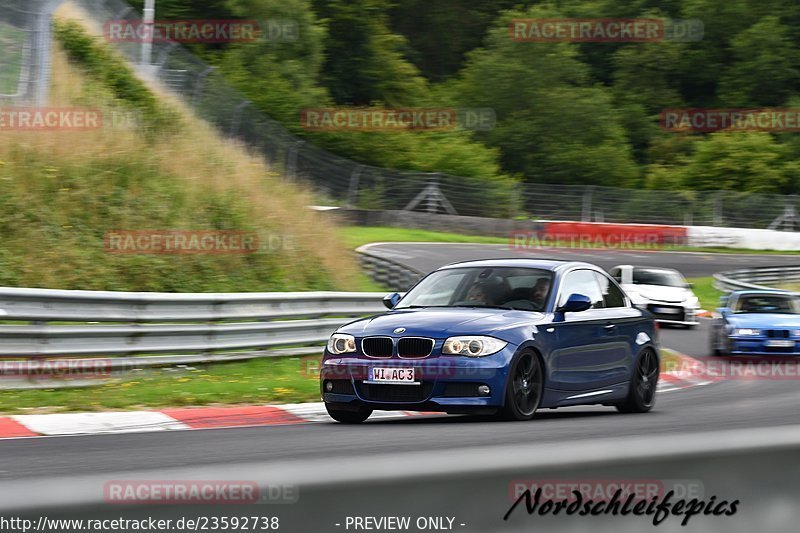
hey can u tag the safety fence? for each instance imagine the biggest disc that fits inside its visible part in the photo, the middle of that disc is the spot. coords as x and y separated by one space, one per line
784 277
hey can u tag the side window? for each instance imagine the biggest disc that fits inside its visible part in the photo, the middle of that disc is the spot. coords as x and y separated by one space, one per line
616 273
612 296
581 282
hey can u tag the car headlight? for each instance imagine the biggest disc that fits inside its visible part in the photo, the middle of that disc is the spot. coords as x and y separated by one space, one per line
744 332
472 346
341 343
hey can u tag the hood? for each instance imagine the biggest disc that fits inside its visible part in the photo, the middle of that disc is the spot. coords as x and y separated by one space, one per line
764 320
442 322
661 293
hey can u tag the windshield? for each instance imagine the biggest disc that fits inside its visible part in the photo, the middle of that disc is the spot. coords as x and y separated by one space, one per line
767 303
506 287
667 278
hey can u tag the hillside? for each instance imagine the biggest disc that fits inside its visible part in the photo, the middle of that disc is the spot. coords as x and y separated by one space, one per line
152 166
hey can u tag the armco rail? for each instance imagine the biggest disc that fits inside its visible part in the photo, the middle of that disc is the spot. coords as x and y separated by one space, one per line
757 278
388 273
210 326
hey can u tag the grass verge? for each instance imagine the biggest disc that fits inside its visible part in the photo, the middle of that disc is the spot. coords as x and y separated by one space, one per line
705 291
260 381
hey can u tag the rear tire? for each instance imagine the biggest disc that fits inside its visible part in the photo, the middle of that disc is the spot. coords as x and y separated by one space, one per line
348 417
524 388
642 391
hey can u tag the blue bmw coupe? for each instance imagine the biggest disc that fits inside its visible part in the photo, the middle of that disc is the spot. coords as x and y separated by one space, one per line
756 322
498 337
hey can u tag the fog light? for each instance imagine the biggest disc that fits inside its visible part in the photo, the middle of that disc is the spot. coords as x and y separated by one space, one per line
484 390
329 386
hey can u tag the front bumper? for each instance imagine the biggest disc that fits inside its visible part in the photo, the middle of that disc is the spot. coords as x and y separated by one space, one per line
446 383
761 346
671 313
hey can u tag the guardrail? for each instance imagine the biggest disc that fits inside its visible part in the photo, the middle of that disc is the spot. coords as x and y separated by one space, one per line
757 278
390 274
154 329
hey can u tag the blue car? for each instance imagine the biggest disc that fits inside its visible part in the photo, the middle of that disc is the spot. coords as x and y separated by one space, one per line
496 337
756 322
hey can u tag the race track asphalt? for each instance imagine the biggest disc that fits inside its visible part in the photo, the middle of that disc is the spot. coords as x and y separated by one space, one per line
756 405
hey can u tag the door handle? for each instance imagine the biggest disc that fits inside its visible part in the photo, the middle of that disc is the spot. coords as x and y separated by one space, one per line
610 327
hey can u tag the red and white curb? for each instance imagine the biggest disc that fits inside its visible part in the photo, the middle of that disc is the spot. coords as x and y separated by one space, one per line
185 418
62 424
689 373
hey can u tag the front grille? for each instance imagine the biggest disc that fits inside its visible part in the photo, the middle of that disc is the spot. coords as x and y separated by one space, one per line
679 316
395 393
377 346
414 347
461 390
777 333
778 349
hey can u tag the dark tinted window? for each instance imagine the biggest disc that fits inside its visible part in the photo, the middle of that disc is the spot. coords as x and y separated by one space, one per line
612 295
511 287
767 303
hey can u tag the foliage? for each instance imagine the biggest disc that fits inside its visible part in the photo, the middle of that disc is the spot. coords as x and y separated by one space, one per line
567 113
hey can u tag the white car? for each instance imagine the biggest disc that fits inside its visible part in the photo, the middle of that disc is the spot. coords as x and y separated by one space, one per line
662 291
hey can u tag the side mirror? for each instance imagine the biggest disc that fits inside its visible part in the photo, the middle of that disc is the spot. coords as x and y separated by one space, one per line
575 304
390 300
689 285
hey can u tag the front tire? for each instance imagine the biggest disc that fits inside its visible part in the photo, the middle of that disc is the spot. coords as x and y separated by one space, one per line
642 391
715 342
524 388
348 417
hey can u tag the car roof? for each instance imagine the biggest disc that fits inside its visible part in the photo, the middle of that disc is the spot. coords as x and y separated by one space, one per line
546 264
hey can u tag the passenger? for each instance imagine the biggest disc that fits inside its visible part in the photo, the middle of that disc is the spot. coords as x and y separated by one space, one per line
477 294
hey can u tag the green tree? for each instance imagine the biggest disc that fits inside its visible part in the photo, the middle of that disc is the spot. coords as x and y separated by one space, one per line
553 123
741 161
363 58
765 69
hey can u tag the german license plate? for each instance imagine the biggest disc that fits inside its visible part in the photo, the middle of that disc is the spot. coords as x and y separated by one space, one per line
779 343
391 375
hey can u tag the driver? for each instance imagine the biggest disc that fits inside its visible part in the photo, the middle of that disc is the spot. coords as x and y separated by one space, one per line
539 292
535 299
